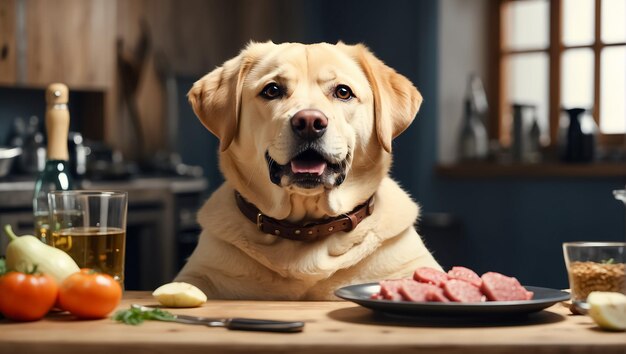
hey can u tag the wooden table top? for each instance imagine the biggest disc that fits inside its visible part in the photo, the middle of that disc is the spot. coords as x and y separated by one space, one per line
330 327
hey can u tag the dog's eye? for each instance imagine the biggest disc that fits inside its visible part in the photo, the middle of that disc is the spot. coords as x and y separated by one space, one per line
343 92
272 91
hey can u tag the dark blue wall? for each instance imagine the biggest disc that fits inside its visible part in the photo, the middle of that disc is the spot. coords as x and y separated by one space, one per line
517 226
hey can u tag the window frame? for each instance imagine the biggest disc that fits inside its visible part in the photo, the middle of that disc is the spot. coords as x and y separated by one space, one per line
555 51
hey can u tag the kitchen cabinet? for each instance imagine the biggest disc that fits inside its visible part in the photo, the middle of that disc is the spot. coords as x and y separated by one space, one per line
72 41
8 69
77 42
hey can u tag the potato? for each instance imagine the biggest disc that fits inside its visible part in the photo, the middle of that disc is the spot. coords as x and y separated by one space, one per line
608 309
179 295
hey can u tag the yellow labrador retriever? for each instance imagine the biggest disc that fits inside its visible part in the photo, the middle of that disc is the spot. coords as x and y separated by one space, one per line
305 147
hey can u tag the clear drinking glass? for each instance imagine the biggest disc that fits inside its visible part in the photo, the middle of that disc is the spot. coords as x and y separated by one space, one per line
595 266
91 227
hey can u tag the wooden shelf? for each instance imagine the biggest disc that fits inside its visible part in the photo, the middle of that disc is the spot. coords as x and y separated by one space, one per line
494 170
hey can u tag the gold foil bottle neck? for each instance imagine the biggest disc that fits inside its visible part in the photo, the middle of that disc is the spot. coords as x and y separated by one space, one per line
57 121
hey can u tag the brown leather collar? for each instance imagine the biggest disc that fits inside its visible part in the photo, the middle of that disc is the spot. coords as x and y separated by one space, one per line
310 231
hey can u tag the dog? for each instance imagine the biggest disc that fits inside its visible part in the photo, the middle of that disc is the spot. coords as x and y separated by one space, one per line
307 205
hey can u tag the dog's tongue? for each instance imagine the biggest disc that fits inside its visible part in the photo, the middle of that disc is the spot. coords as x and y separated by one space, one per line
313 167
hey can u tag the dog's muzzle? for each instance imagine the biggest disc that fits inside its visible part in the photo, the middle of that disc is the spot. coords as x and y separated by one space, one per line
309 124
310 165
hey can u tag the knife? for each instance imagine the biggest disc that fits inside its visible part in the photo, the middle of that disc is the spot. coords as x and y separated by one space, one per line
236 323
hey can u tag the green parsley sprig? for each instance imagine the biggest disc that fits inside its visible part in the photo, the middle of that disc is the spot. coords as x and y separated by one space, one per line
135 316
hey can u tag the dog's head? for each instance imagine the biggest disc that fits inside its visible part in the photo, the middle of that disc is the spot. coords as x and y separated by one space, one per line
305 124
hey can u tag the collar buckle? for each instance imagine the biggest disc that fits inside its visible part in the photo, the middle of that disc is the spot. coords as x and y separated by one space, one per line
259 221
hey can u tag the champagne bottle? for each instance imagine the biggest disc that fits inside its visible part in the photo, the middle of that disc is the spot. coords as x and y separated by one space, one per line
56 173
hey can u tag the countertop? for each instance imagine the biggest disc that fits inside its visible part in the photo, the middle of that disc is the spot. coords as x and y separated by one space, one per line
330 327
19 191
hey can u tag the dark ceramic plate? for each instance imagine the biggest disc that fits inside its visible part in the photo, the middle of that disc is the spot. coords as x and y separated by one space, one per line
361 293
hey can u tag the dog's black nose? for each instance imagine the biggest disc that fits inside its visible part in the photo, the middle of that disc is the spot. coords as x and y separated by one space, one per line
309 124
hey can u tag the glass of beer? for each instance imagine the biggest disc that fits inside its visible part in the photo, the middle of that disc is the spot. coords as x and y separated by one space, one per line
91 227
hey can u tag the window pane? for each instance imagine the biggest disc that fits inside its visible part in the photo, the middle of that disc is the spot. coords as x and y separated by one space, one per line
613 25
578 21
526 24
613 90
577 78
528 84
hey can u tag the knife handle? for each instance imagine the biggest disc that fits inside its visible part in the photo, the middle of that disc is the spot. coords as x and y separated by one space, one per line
251 324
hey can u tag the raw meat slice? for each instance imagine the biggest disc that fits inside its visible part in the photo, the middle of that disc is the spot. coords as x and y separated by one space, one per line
376 296
462 291
389 288
430 276
498 287
414 291
417 292
460 284
437 295
529 295
465 274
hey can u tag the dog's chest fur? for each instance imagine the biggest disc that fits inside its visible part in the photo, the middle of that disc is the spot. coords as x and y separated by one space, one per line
235 260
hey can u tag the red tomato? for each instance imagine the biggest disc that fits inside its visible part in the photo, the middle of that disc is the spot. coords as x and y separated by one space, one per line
87 294
27 297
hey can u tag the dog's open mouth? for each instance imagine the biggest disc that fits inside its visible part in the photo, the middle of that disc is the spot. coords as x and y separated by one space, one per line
309 162
308 169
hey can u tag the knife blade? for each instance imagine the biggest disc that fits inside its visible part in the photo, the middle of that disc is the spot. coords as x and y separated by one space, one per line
237 323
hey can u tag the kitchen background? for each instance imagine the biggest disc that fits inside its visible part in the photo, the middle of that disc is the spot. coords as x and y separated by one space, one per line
129 64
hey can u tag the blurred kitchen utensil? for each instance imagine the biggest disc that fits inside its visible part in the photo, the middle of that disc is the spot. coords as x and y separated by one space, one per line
525 146
476 94
33 158
473 139
7 156
131 67
78 154
620 195
579 135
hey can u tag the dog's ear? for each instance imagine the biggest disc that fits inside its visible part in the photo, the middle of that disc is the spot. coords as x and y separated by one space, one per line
396 100
216 97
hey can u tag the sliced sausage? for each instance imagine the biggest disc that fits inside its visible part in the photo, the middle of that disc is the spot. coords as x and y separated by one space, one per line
437 295
376 296
417 292
462 291
529 295
389 289
498 287
430 276
465 274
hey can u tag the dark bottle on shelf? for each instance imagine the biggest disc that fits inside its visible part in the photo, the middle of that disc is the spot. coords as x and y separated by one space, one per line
580 136
56 173
473 141
473 144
